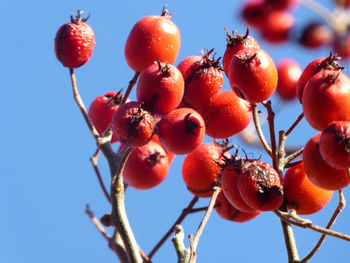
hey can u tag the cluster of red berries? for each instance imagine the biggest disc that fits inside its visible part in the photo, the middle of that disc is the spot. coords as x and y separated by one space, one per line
273 18
177 106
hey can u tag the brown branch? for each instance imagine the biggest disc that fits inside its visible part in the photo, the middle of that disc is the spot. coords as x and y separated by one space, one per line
295 124
271 121
259 130
294 155
132 82
340 207
184 213
293 164
81 106
96 223
194 242
93 161
305 223
119 217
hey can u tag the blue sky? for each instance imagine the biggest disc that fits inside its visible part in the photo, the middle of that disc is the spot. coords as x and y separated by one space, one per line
46 176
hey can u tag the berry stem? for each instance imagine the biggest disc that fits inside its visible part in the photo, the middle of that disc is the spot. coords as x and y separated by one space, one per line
93 161
195 240
132 83
81 106
259 130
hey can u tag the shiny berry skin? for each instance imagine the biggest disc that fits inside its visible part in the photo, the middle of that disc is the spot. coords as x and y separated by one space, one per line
201 169
227 211
277 26
254 73
146 167
170 155
225 115
259 185
133 125
318 171
160 88
335 144
236 43
289 72
315 35
102 110
312 68
202 80
151 39
326 98
181 130
229 185
74 42
301 194
186 63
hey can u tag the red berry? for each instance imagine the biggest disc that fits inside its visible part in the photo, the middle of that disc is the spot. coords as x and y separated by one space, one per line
229 185
254 73
277 26
335 144
160 88
326 98
312 68
186 63
202 80
289 72
181 130
170 155
133 125
102 110
201 169
259 185
255 12
315 35
301 194
318 171
152 38
106 220
74 43
146 167
225 115
236 43
343 3
229 212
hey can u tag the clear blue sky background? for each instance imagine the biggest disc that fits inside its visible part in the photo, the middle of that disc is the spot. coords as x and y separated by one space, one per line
46 177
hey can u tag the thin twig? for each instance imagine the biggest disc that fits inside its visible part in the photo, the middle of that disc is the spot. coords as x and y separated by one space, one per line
271 121
295 124
81 106
194 242
305 223
294 155
93 161
259 130
340 207
293 164
97 223
132 82
184 213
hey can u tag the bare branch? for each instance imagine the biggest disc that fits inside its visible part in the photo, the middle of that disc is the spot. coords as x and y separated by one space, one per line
259 130
202 225
132 82
93 161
